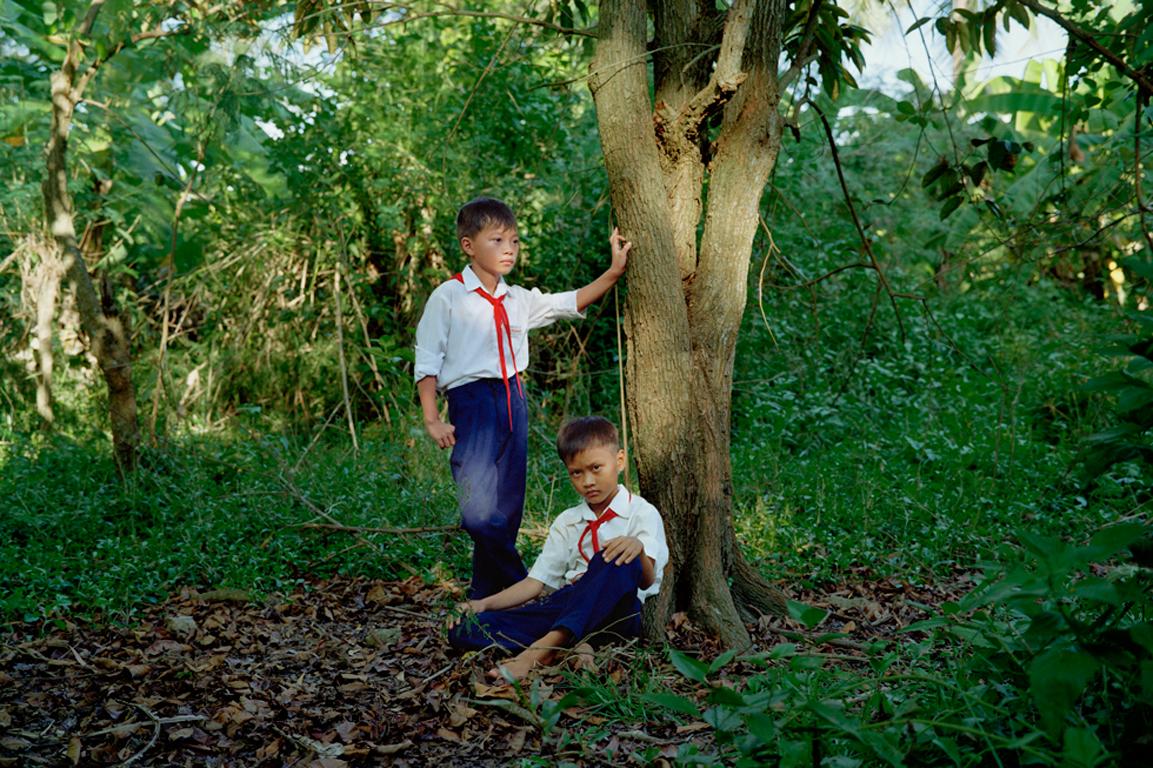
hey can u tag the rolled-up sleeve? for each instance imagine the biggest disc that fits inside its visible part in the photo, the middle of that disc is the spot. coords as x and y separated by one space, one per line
432 335
546 308
553 561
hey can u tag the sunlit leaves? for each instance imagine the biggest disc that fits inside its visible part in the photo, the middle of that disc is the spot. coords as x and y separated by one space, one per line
975 31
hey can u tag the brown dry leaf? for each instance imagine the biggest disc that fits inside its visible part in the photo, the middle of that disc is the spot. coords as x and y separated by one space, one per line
275 668
269 750
849 627
379 595
516 741
164 645
448 735
692 727
498 691
139 670
75 749
181 733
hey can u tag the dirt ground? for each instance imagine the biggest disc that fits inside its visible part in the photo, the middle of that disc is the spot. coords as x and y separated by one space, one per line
352 673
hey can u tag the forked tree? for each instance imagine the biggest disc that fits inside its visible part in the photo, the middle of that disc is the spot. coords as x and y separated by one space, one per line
688 101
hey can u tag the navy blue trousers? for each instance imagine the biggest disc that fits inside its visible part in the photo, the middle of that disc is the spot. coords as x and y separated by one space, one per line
489 462
603 601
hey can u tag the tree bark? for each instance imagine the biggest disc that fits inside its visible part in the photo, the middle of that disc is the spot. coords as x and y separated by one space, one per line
687 290
100 320
47 289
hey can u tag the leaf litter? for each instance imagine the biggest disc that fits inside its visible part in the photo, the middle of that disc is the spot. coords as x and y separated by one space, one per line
354 672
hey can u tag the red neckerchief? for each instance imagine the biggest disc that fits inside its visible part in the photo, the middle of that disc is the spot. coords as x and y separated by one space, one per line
592 527
500 320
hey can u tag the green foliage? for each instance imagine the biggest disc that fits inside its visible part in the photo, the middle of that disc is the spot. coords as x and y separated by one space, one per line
1132 438
1047 662
75 540
904 436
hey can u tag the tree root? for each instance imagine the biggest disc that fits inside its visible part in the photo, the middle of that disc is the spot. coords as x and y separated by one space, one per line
753 595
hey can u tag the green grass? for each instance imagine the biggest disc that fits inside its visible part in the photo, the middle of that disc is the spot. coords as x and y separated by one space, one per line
225 511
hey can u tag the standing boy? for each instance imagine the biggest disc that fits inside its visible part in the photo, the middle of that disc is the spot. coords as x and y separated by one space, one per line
603 556
472 345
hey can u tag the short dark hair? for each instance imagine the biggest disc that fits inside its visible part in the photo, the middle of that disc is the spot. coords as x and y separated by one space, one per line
586 432
481 212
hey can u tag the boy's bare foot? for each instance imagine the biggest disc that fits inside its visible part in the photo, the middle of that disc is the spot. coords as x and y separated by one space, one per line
581 658
519 666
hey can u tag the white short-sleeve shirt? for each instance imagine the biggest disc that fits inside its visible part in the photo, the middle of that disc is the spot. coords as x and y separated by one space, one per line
560 560
456 336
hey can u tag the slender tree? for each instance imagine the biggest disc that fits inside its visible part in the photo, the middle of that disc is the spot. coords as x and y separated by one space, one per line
105 326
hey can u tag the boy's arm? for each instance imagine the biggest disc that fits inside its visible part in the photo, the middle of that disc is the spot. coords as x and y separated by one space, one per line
599 287
444 435
510 597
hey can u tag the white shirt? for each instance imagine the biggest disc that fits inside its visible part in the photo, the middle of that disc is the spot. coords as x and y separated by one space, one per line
456 336
560 561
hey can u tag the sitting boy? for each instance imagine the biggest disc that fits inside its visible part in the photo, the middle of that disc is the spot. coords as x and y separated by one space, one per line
603 557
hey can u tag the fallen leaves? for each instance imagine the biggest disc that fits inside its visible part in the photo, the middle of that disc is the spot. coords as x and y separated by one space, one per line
343 674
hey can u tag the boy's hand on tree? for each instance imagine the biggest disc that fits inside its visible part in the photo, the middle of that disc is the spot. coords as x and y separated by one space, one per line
622 550
444 435
621 248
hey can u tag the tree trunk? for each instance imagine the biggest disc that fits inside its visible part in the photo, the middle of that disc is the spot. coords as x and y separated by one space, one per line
687 291
101 321
47 289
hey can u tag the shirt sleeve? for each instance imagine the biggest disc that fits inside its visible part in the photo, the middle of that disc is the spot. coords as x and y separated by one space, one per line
650 530
552 563
432 335
546 308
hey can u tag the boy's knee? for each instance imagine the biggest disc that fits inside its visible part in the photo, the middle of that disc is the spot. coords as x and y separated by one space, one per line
464 636
485 523
631 568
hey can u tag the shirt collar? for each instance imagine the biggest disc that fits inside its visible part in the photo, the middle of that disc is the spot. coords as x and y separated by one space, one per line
472 282
621 504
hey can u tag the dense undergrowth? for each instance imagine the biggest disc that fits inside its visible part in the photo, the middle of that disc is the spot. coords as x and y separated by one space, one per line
911 457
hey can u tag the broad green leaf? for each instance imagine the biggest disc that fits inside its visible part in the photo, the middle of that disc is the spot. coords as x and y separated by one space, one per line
951 205
723 718
808 615
761 726
1081 748
676 703
1113 381
1057 678
1110 540
722 695
694 669
721 660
